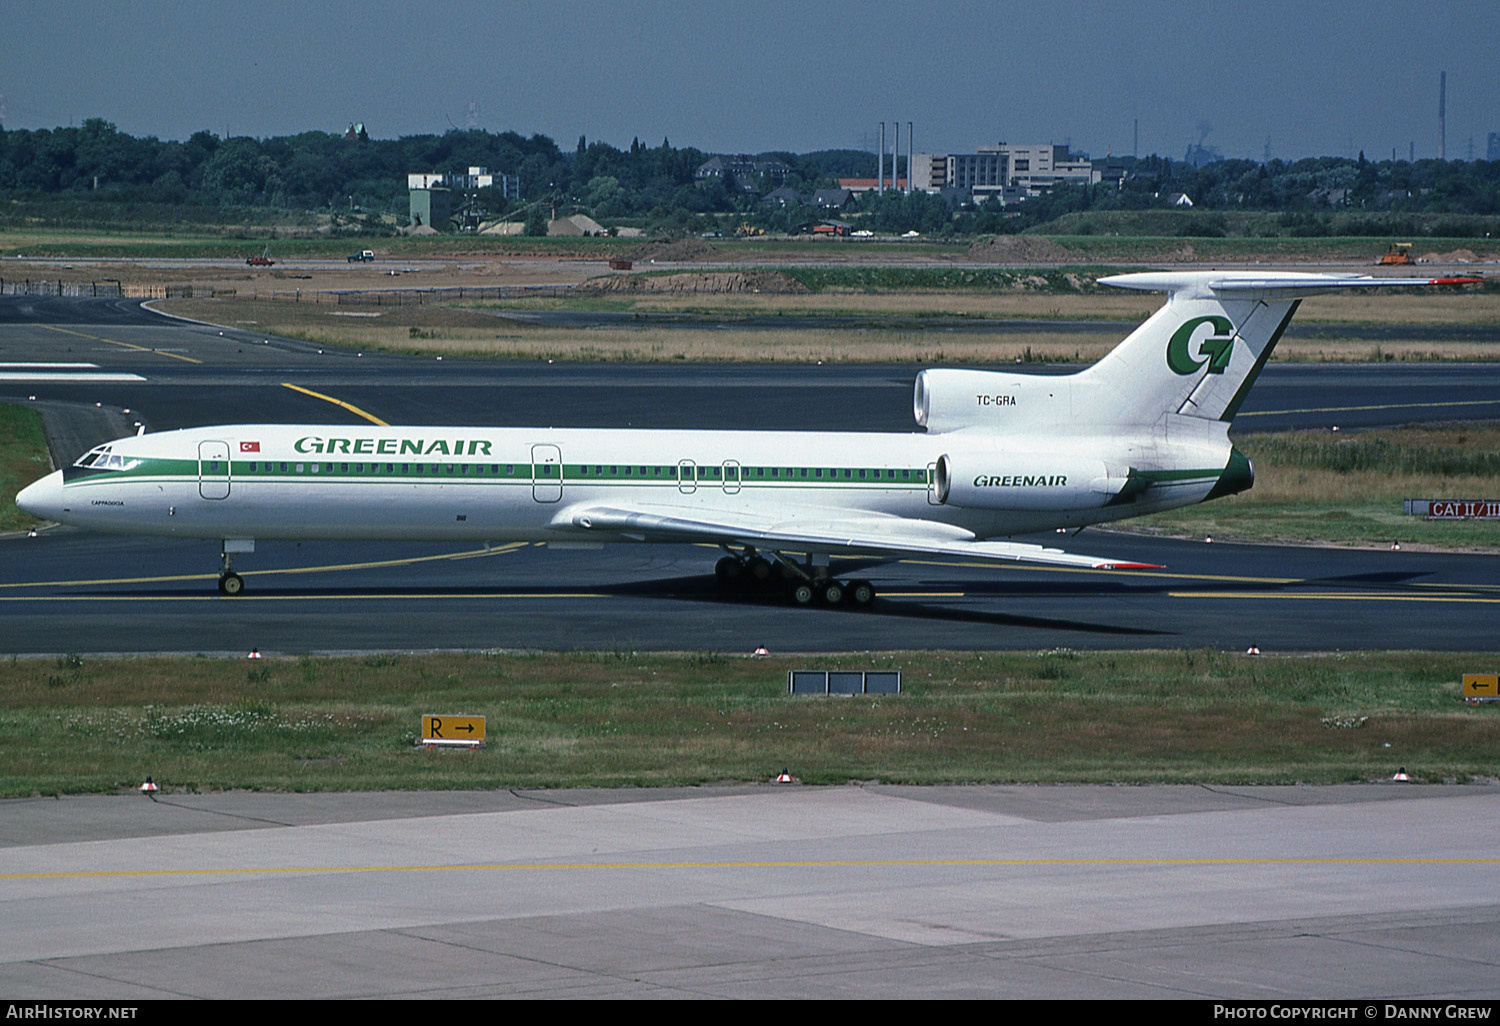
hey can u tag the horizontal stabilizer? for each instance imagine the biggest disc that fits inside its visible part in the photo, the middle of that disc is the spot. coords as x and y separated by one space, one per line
1260 285
1198 356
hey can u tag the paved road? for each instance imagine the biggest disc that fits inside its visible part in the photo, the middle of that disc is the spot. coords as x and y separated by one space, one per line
1268 894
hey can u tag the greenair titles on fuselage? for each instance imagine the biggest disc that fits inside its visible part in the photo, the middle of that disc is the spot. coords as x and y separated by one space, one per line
394 446
1021 481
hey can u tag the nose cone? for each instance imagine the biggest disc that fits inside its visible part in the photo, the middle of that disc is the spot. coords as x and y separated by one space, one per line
43 498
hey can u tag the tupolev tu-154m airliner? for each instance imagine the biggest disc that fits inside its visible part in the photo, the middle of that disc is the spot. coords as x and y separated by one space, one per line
1145 429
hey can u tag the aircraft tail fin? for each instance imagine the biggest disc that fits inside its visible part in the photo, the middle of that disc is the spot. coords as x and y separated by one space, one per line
1199 354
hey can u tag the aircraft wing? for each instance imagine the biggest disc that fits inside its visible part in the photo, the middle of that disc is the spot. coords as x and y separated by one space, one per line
880 536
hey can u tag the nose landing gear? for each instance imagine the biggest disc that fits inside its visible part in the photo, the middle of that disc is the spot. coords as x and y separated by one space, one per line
231 583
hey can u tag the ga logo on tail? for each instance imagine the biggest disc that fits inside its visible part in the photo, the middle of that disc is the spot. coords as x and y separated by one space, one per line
1215 348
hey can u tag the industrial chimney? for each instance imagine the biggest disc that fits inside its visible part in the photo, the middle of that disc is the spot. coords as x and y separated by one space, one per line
1443 116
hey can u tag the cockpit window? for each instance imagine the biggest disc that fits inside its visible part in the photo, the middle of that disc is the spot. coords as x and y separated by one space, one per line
102 459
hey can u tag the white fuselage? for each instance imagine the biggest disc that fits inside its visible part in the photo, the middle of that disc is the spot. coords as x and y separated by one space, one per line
523 484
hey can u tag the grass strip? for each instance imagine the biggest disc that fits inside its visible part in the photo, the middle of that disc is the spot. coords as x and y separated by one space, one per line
1347 488
624 718
23 459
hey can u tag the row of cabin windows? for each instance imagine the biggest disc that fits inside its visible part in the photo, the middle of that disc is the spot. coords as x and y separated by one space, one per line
673 473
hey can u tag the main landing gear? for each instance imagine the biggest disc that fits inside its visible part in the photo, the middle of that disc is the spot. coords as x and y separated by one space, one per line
803 585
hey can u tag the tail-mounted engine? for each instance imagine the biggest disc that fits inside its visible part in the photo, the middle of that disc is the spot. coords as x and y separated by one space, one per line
1023 481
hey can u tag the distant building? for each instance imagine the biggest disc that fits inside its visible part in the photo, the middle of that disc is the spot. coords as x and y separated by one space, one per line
477 178
356 131
782 198
740 172
430 206
1008 172
929 172
431 195
858 185
832 199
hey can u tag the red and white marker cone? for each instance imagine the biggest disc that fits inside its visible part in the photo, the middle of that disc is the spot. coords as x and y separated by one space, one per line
784 777
148 787
1401 774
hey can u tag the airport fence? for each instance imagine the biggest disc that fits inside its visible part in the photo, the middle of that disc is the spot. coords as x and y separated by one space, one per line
408 297
334 297
73 289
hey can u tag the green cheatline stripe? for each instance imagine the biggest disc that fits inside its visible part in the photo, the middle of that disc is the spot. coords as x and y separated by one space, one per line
162 469
159 469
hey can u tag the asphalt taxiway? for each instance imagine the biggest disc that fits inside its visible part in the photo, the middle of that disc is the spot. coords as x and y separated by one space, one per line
67 591
97 368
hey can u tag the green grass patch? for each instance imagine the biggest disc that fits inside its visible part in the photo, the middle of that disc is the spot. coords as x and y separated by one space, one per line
1347 488
623 718
23 459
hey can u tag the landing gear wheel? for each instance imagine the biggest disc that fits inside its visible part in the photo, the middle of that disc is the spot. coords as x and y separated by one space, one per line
861 593
833 592
231 584
729 570
802 593
759 569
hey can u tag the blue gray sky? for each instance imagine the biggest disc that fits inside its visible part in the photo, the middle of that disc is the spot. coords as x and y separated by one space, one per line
1310 77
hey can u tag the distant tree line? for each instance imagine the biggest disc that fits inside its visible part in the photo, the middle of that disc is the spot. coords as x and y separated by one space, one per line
321 170
656 185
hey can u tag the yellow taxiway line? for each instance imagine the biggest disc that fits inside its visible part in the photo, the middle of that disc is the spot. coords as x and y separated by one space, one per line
337 402
1376 406
1334 596
498 550
117 342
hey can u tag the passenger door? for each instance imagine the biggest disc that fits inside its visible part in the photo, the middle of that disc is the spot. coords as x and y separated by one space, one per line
546 473
213 470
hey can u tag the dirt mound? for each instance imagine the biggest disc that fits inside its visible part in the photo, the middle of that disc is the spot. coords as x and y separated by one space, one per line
681 249
1019 249
719 281
1457 256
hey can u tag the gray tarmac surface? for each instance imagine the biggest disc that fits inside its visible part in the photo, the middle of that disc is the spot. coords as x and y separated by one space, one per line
1267 893
72 592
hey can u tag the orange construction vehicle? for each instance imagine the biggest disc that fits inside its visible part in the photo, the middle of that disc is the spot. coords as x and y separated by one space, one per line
1398 255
